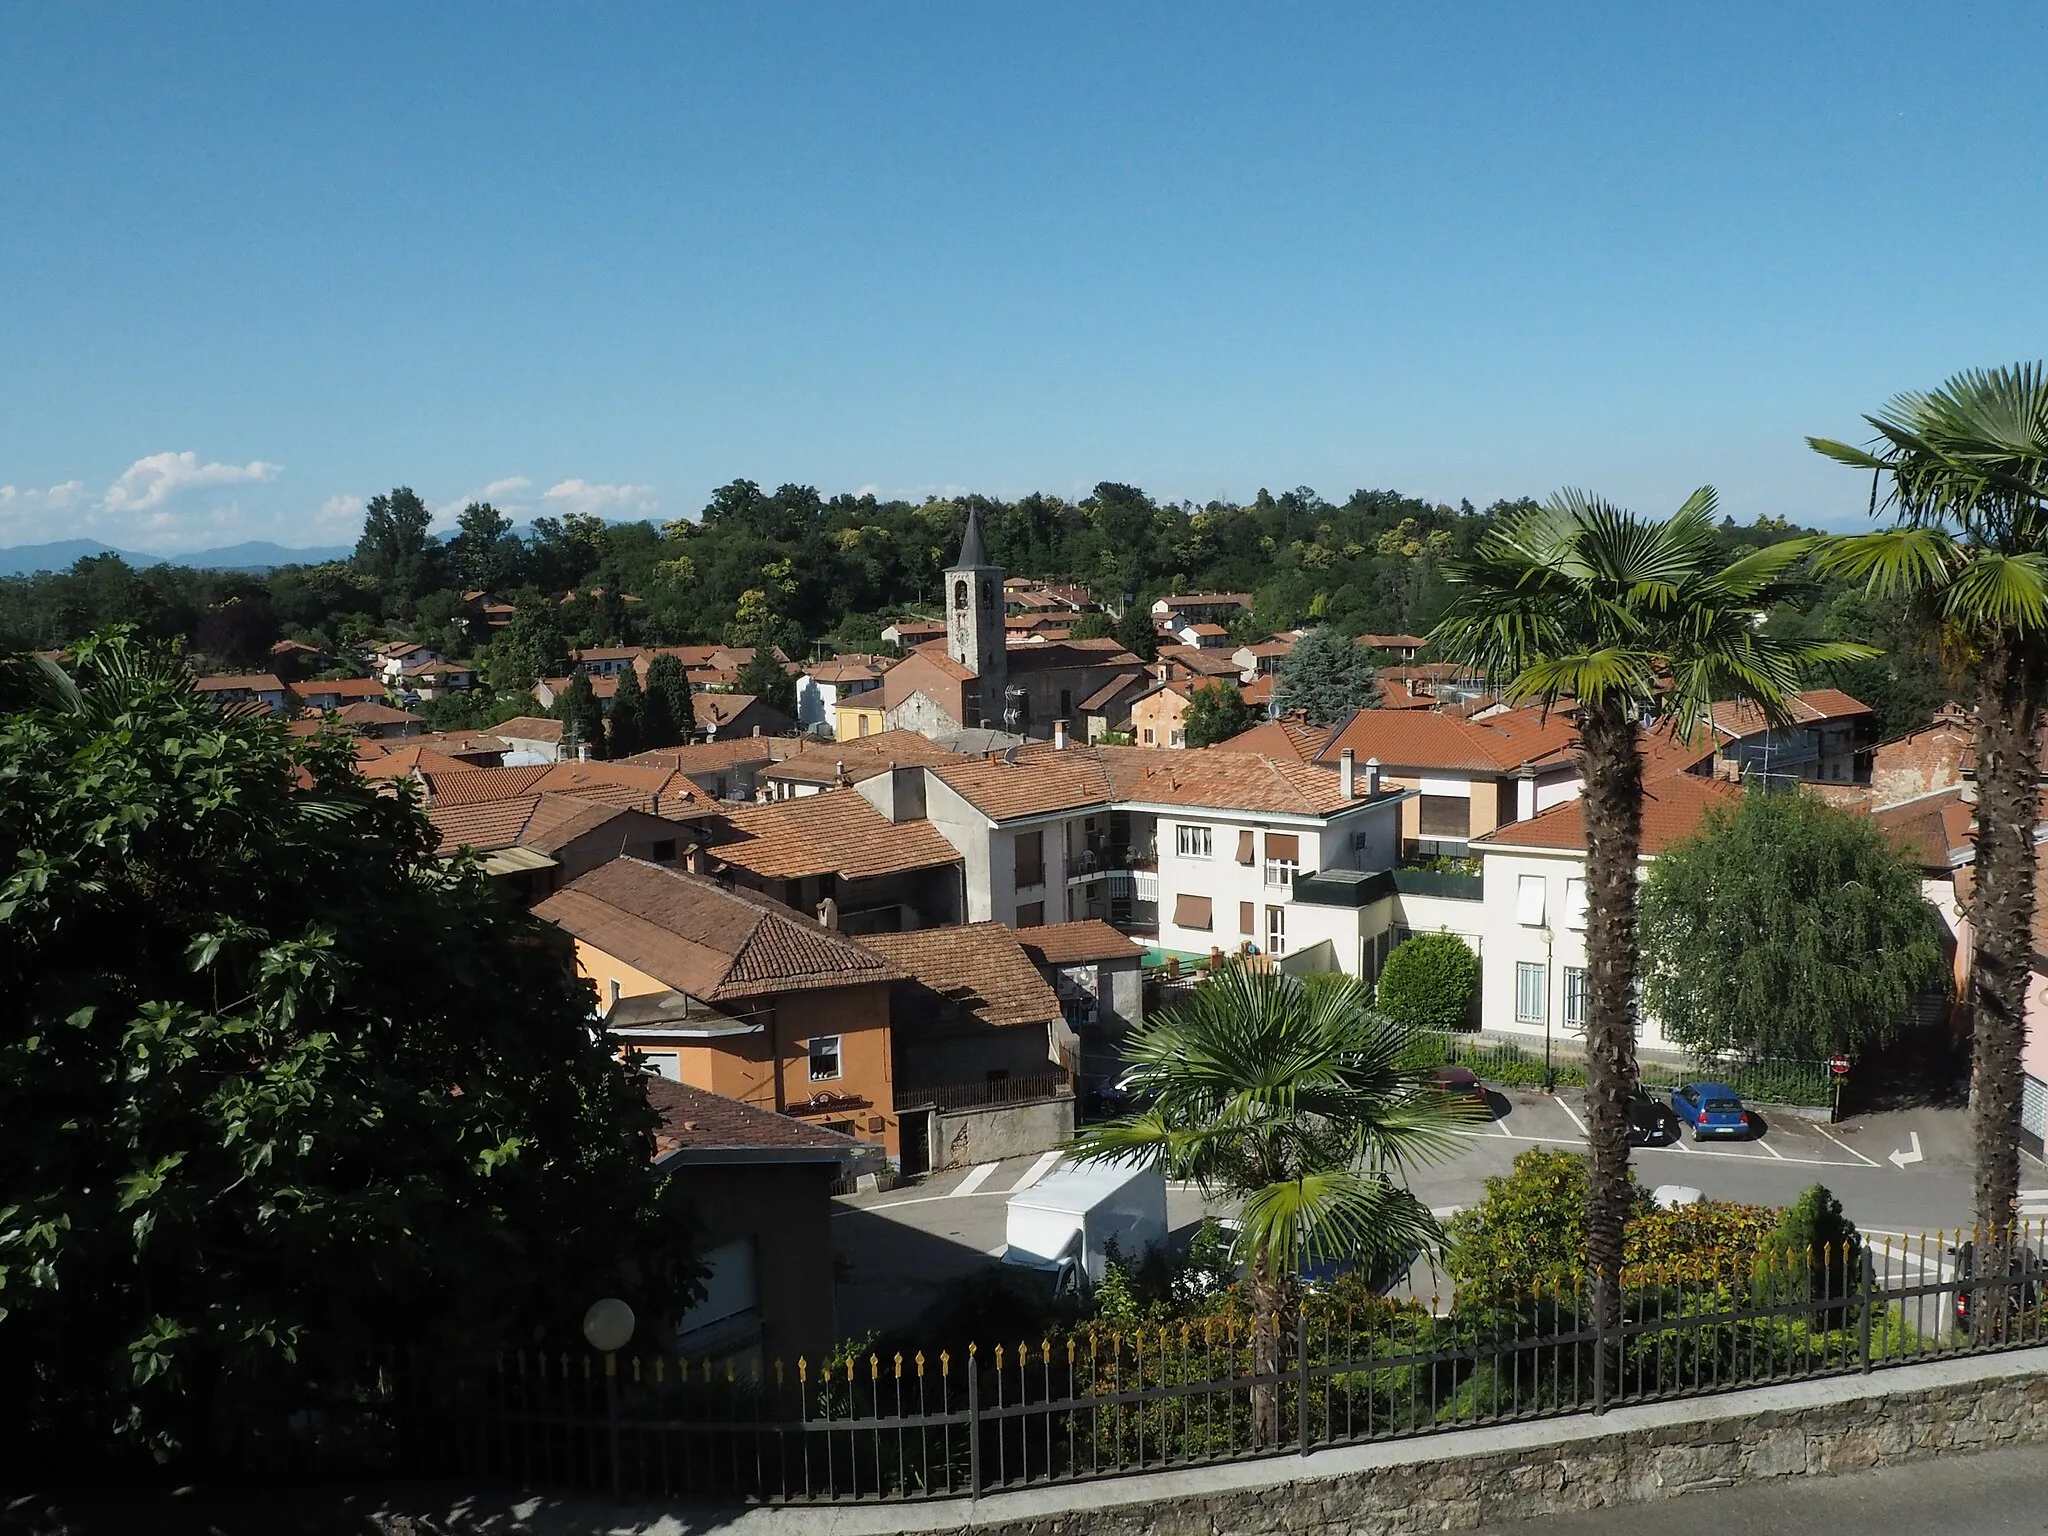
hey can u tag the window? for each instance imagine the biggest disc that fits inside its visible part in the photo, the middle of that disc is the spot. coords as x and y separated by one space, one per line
1247 918
1031 915
1446 816
665 1064
614 989
1575 995
1179 738
1244 847
1529 901
1194 842
824 1051
960 595
1066 703
1530 990
1148 735
1575 903
863 724
1193 912
664 850
1276 930
1283 858
1030 859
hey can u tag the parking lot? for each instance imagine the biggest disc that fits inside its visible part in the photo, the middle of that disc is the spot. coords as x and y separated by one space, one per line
1902 1176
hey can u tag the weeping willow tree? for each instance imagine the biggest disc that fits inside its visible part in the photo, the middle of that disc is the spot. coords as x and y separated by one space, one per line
1785 927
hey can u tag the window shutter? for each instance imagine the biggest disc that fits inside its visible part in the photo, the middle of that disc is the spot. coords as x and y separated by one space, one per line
1247 918
1529 901
1283 845
1244 847
1193 912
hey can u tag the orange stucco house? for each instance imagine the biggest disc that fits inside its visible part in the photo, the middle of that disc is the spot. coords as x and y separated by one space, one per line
731 992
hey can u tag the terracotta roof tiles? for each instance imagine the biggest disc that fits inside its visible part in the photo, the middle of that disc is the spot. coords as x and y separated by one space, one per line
981 968
1673 808
834 832
696 1121
1078 943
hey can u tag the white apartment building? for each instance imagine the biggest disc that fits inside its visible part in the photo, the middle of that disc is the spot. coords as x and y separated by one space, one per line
1197 851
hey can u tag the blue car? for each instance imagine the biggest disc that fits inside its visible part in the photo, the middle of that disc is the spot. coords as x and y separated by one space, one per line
1711 1109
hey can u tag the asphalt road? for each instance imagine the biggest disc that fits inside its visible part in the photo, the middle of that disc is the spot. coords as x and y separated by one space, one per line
1997 1494
900 1250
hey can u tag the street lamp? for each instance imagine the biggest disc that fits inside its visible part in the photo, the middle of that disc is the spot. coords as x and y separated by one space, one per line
608 1328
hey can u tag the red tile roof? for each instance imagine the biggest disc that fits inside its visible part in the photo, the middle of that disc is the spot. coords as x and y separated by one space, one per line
695 1123
1078 943
980 968
1673 808
836 832
701 939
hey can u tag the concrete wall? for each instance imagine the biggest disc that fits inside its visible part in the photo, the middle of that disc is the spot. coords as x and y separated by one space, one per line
964 1137
785 1210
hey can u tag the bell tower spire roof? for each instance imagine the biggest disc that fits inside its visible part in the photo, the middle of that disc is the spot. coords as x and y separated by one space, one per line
973 551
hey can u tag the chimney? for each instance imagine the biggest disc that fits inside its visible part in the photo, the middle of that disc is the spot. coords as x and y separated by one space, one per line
828 912
1525 795
1059 735
1347 774
582 751
700 860
1372 777
757 730
839 771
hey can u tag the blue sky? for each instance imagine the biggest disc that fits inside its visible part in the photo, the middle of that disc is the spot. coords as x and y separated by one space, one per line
258 263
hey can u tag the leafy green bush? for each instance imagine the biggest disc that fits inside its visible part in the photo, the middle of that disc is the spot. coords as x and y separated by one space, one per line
1430 982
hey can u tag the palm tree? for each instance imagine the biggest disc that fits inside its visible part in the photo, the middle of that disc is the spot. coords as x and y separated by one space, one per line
1966 470
1288 1096
1621 618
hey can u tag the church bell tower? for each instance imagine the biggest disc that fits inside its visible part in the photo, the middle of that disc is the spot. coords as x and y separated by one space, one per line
974 619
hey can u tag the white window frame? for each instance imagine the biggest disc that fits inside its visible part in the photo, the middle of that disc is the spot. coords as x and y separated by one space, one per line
1280 874
1531 894
1194 841
1527 971
1276 930
834 1045
1578 996
1575 902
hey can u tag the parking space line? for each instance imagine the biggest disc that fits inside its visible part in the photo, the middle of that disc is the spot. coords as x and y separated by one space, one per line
1036 1171
1567 1141
1575 1120
1867 1162
974 1180
1760 1141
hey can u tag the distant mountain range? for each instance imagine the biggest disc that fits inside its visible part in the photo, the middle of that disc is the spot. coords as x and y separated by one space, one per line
255 555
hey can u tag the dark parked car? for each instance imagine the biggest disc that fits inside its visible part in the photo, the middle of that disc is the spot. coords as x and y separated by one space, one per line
2028 1268
1711 1109
1651 1122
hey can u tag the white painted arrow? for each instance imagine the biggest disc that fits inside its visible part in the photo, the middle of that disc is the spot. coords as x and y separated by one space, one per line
1902 1157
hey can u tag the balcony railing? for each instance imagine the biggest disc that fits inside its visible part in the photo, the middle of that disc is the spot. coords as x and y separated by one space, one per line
1002 1090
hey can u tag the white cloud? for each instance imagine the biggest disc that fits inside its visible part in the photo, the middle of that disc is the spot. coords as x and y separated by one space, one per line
150 482
506 494
23 507
597 500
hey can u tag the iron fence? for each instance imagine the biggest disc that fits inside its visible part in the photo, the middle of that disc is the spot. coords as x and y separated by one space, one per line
1226 1387
994 1091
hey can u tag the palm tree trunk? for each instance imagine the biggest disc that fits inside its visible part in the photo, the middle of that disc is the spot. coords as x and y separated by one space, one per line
1267 1297
2002 915
1613 797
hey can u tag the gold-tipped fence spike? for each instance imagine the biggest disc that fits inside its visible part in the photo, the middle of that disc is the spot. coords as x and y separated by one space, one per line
875 1367
730 1378
803 1369
849 1370
659 1370
999 1357
1045 1349
945 1362
899 1365
636 1370
1070 1351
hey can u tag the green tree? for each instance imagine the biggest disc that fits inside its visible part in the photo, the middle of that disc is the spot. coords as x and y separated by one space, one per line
530 648
670 711
1092 626
1819 1243
764 677
1582 604
1785 927
1134 632
1216 712
1965 470
1326 676
1286 1095
394 550
1430 982
581 716
628 716
483 551
278 1086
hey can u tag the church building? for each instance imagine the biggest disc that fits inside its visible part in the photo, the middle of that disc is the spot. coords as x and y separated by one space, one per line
976 679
